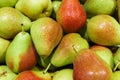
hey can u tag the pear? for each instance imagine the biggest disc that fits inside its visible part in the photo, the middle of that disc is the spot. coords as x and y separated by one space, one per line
6 73
94 7
46 34
66 74
71 15
8 3
89 66
33 75
56 5
67 49
21 54
104 30
104 53
35 9
118 9
11 21
3 48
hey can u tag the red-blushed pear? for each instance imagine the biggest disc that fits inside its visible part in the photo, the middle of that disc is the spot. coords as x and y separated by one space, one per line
46 33
35 74
104 53
65 53
103 30
71 15
89 66
21 54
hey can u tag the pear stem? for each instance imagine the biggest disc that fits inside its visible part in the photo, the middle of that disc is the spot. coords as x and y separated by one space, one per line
22 28
116 66
47 68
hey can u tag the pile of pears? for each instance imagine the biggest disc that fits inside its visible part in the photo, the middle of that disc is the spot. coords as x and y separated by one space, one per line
59 39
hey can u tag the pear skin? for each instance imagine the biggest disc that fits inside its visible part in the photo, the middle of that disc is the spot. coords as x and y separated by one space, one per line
67 49
118 9
11 21
3 48
66 74
6 73
35 9
104 30
71 15
21 54
8 3
46 34
93 7
88 66
117 58
104 53
33 75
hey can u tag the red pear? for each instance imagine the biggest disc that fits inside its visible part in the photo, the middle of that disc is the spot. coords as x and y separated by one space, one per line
89 66
71 15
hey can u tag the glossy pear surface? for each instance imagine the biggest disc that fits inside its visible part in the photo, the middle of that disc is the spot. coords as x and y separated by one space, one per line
89 66
71 15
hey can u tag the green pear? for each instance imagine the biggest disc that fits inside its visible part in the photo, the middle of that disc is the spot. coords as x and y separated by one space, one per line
89 66
104 53
116 75
3 48
71 15
56 5
35 9
104 30
117 58
118 9
6 73
46 34
21 54
66 74
11 21
95 7
67 49
8 3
